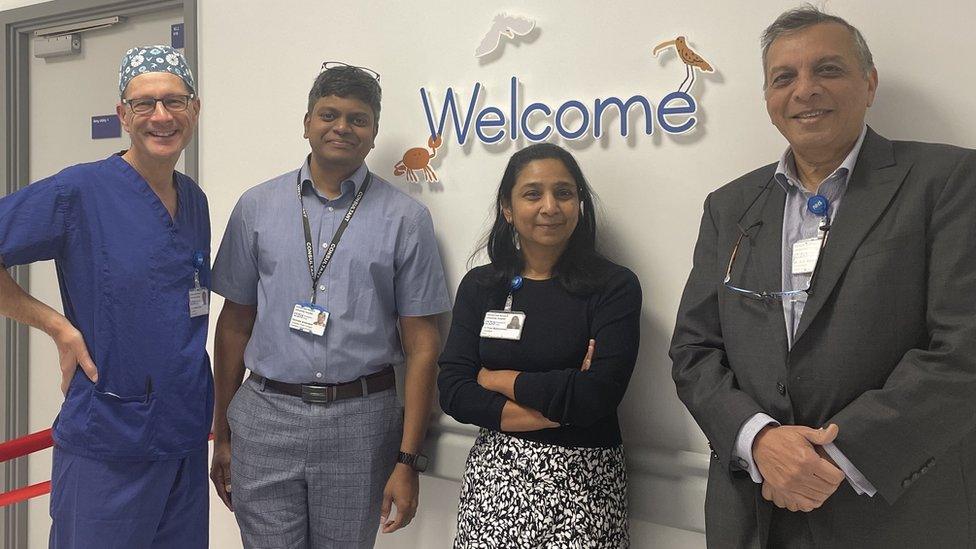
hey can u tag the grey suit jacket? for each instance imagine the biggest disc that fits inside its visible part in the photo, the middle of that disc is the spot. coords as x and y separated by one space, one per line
886 348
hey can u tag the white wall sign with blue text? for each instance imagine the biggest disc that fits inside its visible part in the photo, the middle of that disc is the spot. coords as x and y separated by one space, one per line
572 119
674 114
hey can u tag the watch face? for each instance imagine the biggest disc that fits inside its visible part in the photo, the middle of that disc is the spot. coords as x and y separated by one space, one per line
421 463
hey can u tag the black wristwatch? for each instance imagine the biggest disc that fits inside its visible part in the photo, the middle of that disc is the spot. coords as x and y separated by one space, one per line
417 462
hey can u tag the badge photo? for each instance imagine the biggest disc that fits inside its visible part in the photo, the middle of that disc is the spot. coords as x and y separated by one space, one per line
199 302
503 325
309 318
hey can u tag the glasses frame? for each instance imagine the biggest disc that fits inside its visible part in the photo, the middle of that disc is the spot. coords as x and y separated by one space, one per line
770 295
156 100
339 64
763 295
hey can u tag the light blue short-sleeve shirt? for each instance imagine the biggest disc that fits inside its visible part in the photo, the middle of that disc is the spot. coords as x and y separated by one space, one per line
387 265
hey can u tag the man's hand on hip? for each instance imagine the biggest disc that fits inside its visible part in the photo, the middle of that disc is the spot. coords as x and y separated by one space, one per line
72 354
795 476
402 490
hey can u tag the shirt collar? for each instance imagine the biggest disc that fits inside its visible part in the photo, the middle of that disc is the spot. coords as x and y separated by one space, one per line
349 186
786 174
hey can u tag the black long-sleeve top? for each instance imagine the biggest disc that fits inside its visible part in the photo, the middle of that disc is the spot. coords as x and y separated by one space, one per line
558 327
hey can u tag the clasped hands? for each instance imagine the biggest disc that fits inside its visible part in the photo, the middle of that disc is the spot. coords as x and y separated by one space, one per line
797 472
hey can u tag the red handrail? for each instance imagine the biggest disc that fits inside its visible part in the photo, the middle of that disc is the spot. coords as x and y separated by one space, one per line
25 445
20 447
25 493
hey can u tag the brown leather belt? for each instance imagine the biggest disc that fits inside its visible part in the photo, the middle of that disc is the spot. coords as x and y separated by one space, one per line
324 394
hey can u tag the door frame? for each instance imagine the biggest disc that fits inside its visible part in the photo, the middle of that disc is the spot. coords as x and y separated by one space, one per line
18 25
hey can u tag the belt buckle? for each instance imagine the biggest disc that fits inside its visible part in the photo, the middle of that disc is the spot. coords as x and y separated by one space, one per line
318 394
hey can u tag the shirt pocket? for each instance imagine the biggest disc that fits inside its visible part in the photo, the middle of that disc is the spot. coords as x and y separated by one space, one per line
121 425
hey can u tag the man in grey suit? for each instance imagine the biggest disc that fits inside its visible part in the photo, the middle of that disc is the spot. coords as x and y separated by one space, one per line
826 338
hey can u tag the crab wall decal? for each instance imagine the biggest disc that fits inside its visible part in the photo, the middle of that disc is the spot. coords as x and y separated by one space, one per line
417 159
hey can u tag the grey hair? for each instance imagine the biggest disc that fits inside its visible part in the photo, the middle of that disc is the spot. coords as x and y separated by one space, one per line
807 16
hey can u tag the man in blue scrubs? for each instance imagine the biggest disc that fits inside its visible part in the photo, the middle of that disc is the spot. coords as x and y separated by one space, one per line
131 241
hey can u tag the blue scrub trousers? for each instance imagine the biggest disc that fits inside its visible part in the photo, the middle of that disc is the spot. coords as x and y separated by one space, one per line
129 504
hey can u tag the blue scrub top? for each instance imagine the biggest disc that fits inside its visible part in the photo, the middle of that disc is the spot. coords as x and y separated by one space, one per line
125 268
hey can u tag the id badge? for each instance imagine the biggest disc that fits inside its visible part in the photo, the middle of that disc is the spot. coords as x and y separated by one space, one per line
503 325
199 302
805 253
309 318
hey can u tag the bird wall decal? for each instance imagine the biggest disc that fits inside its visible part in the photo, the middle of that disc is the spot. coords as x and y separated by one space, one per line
689 57
505 25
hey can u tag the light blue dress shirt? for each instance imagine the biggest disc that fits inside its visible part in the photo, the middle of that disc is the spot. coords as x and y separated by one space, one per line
387 265
799 224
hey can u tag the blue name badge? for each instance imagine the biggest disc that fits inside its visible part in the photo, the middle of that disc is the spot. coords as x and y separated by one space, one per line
106 126
176 36
309 318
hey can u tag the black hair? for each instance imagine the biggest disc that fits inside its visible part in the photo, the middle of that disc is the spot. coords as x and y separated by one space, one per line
580 268
347 81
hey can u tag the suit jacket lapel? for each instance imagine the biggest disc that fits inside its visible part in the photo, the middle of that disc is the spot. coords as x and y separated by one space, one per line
769 240
759 265
870 189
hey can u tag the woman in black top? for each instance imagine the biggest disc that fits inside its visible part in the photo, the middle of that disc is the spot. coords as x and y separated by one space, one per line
548 464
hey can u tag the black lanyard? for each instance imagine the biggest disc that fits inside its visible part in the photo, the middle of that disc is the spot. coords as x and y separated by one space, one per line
310 249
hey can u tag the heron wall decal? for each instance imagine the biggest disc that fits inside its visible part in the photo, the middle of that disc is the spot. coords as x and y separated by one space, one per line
689 57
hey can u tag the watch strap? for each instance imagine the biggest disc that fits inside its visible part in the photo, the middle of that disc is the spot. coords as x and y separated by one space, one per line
417 462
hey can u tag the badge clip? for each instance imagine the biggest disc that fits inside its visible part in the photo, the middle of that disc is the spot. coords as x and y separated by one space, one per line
199 297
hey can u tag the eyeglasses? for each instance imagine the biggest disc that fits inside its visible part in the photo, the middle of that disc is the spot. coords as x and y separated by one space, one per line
768 294
339 65
146 105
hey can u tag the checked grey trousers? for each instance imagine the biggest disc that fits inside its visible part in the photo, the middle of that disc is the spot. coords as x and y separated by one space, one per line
311 475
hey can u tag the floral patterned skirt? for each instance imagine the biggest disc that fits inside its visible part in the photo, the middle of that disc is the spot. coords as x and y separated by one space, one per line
519 494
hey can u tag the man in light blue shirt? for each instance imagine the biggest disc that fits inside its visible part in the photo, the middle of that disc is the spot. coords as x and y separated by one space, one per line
319 267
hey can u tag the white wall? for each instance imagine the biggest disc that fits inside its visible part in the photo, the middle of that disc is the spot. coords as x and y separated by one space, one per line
256 66
258 59
11 4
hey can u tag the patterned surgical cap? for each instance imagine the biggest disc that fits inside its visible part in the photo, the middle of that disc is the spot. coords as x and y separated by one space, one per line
145 59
